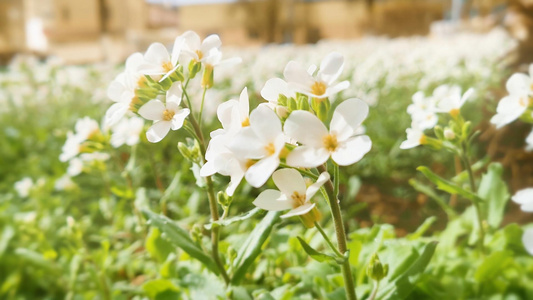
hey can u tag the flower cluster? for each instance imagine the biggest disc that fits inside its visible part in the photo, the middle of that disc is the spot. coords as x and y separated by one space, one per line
446 99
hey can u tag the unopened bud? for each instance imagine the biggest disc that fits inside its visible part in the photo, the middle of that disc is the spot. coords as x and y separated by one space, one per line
439 132
207 78
196 233
467 129
281 111
223 199
375 269
194 68
449 134
190 150
291 104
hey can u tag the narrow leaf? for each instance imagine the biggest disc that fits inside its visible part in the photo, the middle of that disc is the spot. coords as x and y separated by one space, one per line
253 244
448 186
229 221
316 255
180 238
494 191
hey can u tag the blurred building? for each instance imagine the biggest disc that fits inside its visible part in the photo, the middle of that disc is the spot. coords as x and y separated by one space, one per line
92 30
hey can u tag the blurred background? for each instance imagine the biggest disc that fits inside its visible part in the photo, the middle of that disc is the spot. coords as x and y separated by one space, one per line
108 30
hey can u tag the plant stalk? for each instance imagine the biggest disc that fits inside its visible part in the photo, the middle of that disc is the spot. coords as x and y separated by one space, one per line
349 285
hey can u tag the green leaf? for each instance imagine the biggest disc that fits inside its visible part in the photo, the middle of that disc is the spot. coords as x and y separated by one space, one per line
180 238
158 247
402 286
493 265
229 221
494 191
428 191
319 256
7 234
422 228
448 186
37 259
251 248
161 289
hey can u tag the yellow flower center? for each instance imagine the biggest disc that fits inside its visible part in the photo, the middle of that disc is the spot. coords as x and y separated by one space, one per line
318 88
454 112
168 115
524 102
142 82
297 199
330 142
246 122
249 163
200 54
167 66
422 140
270 149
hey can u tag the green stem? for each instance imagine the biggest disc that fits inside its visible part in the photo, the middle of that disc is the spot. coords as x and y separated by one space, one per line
215 235
328 241
374 291
202 107
184 89
468 167
349 285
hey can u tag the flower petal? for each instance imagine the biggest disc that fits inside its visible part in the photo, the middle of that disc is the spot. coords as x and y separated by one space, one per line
289 181
259 173
114 113
158 131
156 54
347 118
210 42
301 210
524 196
518 84
352 150
307 157
244 104
192 40
179 118
527 240
174 93
272 200
273 88
152 110
305 128
295 73
312 189
331 67
265 123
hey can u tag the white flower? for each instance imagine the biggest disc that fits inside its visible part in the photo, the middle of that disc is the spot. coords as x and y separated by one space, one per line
233 115
85 128
158 62
198 50
275 87
263 140
524 198
321 86
71 147
422 111
529 141
527 240
166 116
514 105
449 99
415 137
341 142
293 193
75 167
24 186
122 89
127 132
64 183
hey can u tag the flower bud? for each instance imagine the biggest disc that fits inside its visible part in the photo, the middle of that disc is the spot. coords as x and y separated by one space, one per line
190 150
439 132
449 134
194 68
282 100
196 233
281 111
292 104
311 217
207 78
223 199
375 269
467 129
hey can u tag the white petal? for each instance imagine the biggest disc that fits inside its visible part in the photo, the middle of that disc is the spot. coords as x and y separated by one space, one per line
527 240
524 196
179 118
259 173
210 42
156 54
272 200
225 114
295 73
192 40
114 113
305 128
289 181
134 61
176 50
301 210
244 104
312 189
332 90
273 88
265 123
307 157
518 84
152 110
158 131
347 118
247 145
352 150
331 67
116 88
